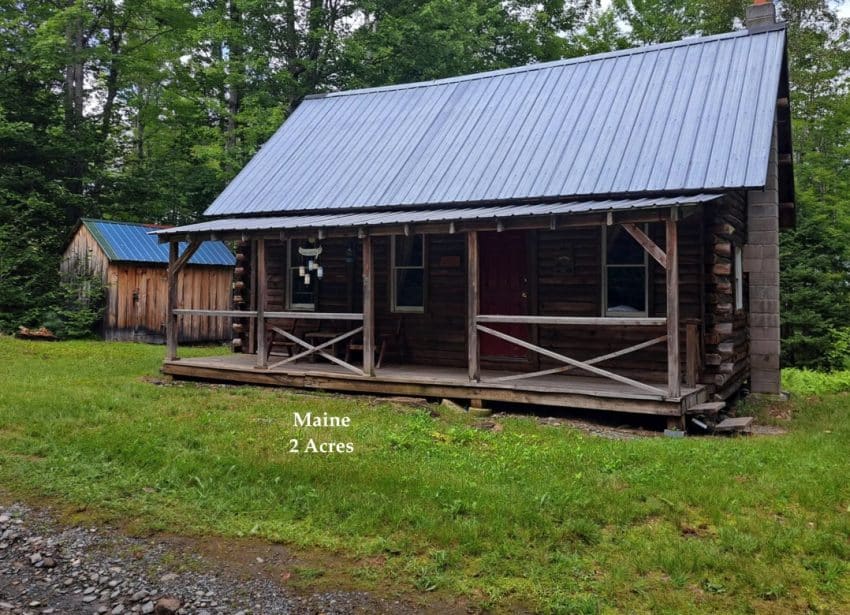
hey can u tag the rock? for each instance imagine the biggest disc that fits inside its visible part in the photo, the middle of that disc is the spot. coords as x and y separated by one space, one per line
6 606
119 608
139 596
148 607
35 558
48 562
5 519
167 606
480 412
168 577
448 403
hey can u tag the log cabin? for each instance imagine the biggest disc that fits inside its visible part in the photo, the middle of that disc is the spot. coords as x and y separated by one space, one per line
598 232
132 264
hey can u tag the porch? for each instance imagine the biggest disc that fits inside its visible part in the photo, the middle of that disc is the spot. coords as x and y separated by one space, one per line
570 391
478 337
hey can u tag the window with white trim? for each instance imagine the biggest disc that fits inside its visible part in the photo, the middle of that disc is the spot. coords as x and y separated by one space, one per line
625 270
300 295
408 273
739 277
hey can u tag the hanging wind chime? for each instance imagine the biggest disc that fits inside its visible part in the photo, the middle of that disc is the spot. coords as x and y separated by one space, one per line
312 256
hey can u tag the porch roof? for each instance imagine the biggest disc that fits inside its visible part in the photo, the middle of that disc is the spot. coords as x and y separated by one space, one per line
365 220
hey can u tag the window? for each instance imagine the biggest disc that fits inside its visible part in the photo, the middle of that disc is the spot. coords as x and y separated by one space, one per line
739 278
408 273
625 285
300 296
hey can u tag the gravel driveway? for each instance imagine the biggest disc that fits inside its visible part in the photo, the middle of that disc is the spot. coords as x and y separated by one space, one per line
47 567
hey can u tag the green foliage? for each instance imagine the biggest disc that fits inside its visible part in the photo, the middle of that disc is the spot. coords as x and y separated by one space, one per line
532 517
809 382
79 303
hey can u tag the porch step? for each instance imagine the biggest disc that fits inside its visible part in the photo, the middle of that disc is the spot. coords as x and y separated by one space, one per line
709 407
738 423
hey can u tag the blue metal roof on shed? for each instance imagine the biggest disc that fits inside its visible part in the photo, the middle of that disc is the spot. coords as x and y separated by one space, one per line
694 115
130 241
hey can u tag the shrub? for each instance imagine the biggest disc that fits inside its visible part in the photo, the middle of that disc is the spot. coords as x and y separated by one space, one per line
78 304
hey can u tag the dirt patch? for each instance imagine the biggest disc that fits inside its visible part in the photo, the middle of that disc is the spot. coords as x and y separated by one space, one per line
90 568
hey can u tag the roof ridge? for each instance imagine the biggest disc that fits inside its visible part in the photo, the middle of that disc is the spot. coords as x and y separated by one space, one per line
124 222
684 42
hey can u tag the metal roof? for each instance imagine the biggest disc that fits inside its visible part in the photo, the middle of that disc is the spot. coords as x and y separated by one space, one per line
129 241
690 116
419 216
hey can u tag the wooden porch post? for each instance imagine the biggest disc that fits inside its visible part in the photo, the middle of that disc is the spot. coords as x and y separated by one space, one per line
262 285
673 368
368 308
171 322
473 301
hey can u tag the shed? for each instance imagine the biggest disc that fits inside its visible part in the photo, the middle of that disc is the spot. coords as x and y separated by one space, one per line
133 265
597 232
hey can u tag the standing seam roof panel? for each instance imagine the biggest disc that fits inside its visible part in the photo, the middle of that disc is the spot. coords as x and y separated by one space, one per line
498 133
676 113
132 242
464 100
548 134
354 144
656 119
690 116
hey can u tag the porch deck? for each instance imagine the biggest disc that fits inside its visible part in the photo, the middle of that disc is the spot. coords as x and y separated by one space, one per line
564 390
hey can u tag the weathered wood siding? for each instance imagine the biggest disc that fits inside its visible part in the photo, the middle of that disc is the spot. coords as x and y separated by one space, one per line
577 291
84 251
438 336
136 295
137 302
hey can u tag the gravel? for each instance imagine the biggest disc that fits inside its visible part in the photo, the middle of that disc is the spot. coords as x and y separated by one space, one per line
47 567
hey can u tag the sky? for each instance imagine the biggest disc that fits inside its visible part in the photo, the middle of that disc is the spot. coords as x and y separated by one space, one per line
843 6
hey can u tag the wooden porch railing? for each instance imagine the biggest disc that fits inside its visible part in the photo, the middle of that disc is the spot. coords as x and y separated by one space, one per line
587 365
668 259
309 348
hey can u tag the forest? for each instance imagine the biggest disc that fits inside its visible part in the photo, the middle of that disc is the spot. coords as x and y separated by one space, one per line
144 110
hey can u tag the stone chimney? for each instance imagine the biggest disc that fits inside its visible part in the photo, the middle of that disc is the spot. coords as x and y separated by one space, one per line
761 15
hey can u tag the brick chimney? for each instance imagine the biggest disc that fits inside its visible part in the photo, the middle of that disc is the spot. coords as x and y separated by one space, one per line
761 14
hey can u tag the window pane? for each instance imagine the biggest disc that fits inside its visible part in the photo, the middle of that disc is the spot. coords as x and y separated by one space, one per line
623 249
409 288
626 289
408 251
301 293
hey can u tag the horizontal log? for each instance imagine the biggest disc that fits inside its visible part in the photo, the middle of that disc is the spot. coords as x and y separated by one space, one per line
569 320
223 313
316 315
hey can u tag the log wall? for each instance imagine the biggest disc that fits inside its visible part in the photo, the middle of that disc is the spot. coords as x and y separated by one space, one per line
726 334
568 283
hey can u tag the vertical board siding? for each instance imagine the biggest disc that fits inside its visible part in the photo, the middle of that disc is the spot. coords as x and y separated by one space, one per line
143 318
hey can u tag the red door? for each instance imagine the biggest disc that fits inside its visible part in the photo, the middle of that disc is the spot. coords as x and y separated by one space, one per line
504 289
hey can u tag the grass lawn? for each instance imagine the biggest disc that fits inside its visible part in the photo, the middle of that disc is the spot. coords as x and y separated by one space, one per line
539 516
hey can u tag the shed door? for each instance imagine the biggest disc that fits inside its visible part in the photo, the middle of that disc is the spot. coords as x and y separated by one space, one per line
504 288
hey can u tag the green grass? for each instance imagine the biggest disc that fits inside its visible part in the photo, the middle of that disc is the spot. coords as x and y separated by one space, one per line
808 382
539 516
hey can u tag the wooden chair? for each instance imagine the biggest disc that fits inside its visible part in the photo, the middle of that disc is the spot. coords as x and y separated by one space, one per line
383 341
275 339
